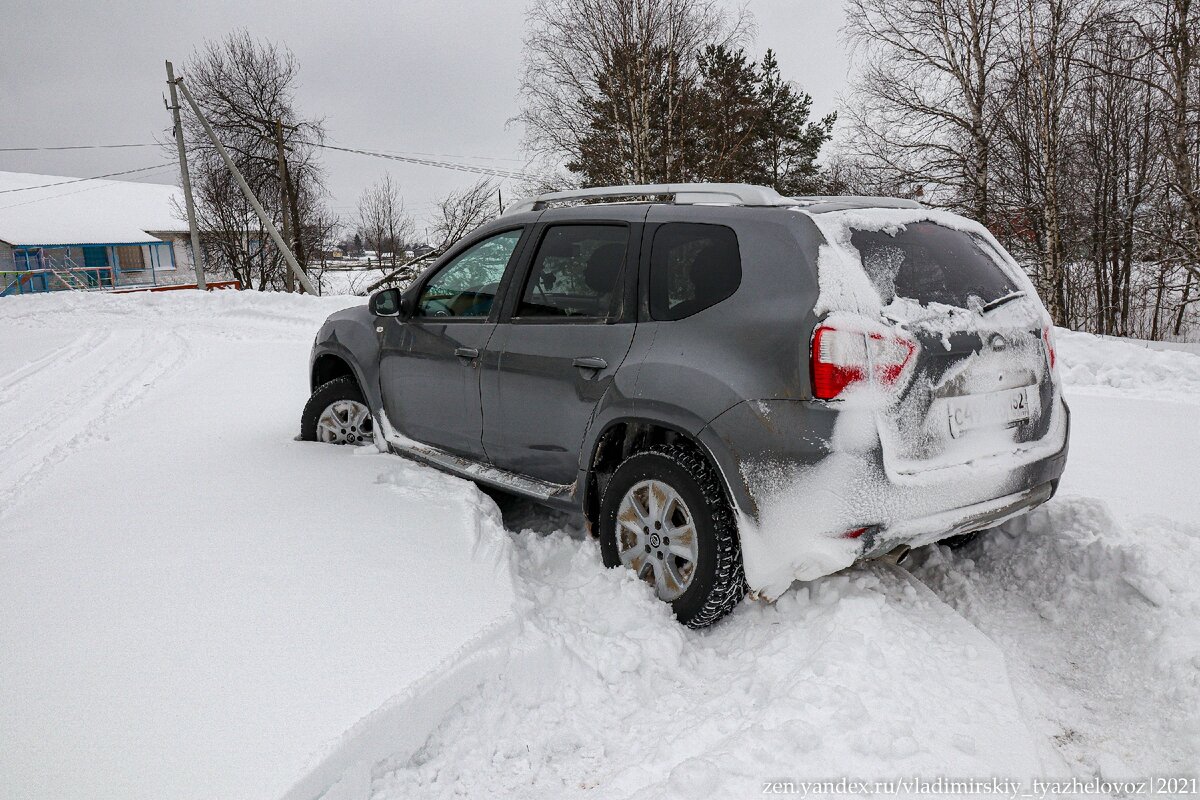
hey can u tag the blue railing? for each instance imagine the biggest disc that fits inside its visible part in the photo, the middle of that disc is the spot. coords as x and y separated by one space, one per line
24 278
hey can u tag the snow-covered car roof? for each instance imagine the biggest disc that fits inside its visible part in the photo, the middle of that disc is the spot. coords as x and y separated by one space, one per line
52 210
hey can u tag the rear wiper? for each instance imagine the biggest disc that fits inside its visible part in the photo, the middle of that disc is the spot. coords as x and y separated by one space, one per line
999 301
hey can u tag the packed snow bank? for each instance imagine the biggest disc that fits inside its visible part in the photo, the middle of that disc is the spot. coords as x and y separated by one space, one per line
1090 610
1092 362
193 604
602 694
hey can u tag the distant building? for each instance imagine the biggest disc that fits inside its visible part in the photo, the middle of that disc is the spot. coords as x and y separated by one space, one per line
64 233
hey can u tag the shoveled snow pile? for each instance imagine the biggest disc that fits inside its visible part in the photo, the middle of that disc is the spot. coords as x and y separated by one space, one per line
1093 362
192 604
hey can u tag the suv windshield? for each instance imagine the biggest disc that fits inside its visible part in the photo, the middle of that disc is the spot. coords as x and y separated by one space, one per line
931 264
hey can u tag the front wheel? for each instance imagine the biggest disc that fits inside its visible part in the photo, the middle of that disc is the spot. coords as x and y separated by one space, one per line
336 413
665 516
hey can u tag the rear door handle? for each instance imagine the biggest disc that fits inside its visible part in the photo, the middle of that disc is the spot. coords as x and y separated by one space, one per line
467 352
590 362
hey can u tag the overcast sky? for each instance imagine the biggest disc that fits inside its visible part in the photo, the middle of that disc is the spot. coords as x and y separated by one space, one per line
412 77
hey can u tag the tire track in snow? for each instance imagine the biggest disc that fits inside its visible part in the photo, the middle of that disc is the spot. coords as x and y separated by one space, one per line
48 432
64 355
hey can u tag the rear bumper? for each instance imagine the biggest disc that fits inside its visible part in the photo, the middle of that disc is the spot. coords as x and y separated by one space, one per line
802 478
976 517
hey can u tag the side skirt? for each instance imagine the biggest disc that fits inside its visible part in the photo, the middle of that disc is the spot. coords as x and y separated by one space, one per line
561 495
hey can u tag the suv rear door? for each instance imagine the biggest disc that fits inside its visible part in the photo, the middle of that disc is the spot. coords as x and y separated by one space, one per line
982 383
429 362
565 328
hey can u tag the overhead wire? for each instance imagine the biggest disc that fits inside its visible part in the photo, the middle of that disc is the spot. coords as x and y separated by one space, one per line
78 147
473 168
92 178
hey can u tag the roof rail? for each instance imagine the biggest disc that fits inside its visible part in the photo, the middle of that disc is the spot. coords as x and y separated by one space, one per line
845 201
737 194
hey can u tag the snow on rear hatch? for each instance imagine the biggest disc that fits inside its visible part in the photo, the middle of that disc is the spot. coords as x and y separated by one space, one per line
981 385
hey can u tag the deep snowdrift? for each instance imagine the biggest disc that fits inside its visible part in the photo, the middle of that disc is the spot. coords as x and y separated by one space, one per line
194 605
1065 644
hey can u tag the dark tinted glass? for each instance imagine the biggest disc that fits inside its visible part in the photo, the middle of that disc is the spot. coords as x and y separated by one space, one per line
931 264
575 272
692 267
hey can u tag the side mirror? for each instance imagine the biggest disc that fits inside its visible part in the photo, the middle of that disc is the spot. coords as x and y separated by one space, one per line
387 303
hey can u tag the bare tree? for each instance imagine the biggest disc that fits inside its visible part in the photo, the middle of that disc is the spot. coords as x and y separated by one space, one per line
1090 171
461 212
1051 34
246 88
927 109
382 219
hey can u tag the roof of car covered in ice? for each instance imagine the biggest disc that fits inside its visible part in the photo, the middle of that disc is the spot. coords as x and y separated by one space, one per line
52 210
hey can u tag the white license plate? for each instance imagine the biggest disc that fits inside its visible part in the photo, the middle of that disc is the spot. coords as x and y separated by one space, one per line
991 410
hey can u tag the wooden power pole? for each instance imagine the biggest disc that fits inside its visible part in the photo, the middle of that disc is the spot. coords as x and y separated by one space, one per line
189 203
247 191
289 279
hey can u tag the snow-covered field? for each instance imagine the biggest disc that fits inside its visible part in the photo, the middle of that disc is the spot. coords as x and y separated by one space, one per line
194 605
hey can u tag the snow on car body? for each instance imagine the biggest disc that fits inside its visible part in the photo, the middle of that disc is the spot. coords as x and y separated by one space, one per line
789 384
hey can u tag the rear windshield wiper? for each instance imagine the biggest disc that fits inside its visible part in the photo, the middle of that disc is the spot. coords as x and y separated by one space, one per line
999 301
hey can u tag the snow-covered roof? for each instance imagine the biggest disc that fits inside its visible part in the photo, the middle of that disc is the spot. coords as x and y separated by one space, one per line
84 212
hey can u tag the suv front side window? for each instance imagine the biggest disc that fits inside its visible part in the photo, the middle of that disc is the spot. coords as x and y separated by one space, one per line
576 272
693 266
466 287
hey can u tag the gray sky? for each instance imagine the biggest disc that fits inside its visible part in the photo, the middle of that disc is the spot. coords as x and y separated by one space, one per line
412 77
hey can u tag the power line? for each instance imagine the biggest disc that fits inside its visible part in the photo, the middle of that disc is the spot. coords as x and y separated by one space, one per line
80 180
163 168
452 155
477 169
78 147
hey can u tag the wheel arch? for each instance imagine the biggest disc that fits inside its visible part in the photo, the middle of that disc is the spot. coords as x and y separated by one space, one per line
327 366
332 359
625 436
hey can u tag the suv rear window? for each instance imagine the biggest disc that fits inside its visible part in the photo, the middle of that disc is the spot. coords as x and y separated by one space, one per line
692 267
930 263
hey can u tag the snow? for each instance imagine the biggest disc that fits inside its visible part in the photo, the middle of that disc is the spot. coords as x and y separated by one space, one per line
85 212
193 604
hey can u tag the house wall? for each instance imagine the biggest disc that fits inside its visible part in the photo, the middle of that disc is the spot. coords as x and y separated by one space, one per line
6 261
181 248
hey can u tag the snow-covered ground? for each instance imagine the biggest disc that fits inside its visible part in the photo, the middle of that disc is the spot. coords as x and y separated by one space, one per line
192 604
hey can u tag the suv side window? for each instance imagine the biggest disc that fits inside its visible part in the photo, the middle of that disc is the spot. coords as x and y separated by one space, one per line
692 267
575 272
466 287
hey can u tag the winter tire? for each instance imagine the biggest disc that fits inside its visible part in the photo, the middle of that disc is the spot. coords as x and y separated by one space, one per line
664 514
336 413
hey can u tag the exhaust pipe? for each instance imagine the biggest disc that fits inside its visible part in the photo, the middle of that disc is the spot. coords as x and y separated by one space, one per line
896 555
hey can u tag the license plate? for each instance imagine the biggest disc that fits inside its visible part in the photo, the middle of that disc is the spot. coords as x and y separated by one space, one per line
994 409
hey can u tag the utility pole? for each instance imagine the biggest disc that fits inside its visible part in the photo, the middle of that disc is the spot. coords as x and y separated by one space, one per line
500 199
197 254
248 192
289 279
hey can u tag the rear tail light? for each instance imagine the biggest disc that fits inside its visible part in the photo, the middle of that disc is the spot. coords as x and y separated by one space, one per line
1048 341
842 358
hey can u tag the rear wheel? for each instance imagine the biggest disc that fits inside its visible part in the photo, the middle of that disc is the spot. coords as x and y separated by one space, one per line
665 516
337 413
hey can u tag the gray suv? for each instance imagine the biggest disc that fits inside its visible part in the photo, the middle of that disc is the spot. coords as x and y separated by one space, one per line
736 389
